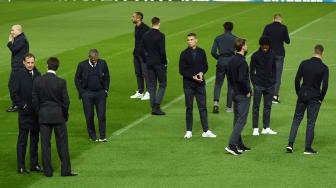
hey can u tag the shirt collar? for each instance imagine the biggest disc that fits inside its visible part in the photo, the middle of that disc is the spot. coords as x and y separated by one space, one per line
51 71
92 64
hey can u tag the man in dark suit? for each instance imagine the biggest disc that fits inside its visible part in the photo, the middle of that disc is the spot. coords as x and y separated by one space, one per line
138 57
51 102
223 50
311 92
21 94
263 76
193 65
92 80
278 34
240 81
156 61
19 46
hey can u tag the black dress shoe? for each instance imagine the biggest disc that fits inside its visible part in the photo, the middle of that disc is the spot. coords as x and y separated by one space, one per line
12 109
156 110
158 113
310 151
70 174
243 148
23 171
36 168
215 109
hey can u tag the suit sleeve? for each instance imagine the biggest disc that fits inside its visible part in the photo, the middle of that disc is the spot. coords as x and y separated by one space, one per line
36 96
107 77
243 77
17 45
253 69
163 50
286 36
15 91
298 78
65 101
265 32
184 68
78 80
205 63
214 50
274 70
325 83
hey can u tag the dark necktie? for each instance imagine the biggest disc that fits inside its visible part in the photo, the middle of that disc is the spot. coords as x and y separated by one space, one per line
31 74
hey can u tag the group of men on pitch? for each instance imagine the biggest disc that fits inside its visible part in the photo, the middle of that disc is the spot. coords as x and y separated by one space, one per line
43 102
264 72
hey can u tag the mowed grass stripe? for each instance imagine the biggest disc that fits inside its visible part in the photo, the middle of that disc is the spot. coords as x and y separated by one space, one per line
103 146
211 79
11 121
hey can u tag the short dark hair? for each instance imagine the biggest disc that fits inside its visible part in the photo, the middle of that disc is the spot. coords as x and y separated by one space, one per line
140 14
93 51
228 26
264 40
28 55
155 21
318 49
53 63
239 43
192 35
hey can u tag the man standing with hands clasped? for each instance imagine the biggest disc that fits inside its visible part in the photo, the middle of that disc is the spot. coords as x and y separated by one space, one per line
193 66
21 94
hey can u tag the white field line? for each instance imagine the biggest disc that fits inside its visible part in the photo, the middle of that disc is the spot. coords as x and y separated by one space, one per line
211 79
129 50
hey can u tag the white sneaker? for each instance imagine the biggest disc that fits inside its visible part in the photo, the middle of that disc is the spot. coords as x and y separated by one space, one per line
255 132
146 96
188 135
102 140
229 110
208 134
137 95
268 131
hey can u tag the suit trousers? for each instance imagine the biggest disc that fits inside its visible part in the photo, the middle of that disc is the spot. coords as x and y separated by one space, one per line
313 108
22 145
221 71
157 73
141 73
267 94
91 100
61 136
241 105
200 93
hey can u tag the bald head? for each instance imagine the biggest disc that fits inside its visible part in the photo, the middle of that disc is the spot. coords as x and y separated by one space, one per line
16 30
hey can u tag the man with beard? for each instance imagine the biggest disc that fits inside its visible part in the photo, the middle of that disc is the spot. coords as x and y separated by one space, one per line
21 94
138 57
240 81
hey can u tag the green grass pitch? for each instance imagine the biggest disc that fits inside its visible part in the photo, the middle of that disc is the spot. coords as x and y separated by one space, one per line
150 151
